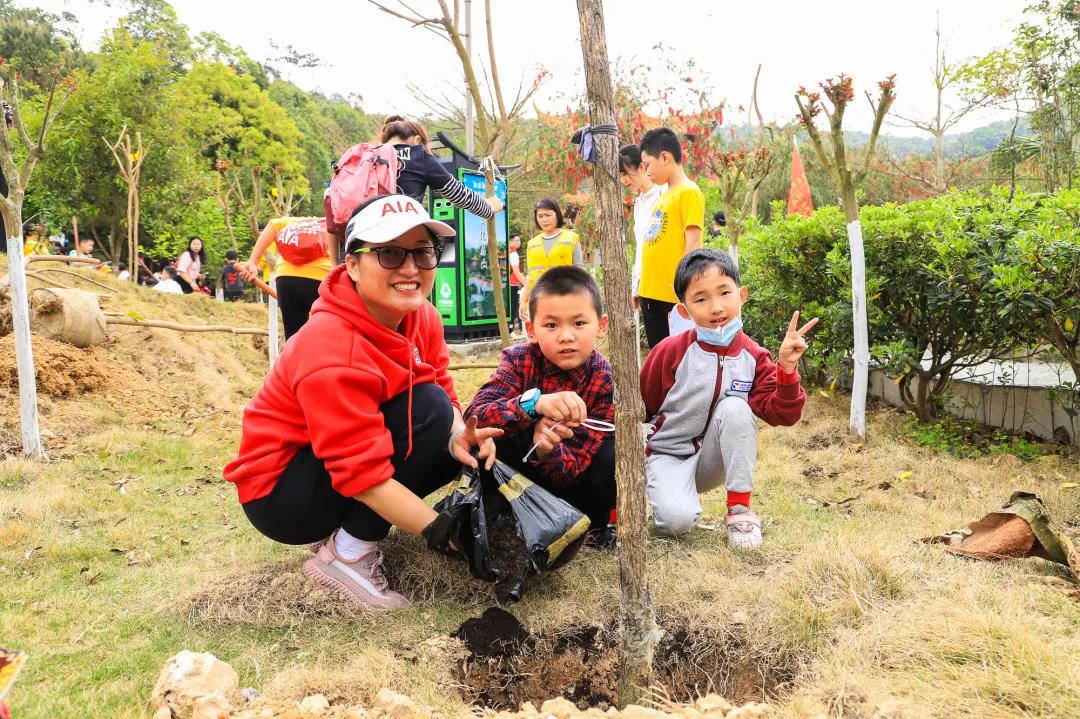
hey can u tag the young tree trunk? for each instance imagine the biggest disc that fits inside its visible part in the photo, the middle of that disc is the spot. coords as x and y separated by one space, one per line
861 350
20 320
493 261
638 631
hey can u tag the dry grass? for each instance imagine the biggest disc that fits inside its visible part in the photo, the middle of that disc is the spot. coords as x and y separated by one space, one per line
843 612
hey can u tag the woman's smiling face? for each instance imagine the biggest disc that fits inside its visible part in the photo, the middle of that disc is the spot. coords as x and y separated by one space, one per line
390 295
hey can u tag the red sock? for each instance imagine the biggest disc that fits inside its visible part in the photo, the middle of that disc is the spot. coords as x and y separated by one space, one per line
734 498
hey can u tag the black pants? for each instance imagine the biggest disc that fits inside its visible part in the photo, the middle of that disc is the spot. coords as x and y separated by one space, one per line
295 297
303 506
593 493
654 315
515 306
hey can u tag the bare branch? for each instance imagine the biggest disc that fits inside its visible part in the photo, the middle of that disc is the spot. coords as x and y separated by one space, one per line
503 118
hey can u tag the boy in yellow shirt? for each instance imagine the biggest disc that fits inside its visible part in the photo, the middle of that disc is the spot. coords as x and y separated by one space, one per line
674 230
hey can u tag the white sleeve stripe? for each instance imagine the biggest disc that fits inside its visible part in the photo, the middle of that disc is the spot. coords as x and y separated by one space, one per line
460 196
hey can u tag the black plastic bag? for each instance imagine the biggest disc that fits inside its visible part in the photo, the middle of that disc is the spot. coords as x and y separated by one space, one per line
508 529
552 528
462 522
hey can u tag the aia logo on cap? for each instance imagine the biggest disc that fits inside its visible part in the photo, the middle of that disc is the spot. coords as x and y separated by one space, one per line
393 207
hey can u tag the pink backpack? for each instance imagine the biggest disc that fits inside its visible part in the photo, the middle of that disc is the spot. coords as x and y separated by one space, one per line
364 171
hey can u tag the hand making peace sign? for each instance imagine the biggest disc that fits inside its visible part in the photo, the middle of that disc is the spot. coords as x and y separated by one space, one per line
794 344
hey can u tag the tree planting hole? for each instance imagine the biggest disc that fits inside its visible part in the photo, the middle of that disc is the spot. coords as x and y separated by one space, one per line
507 666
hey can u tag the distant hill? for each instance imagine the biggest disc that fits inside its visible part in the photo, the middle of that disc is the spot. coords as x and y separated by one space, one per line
975 142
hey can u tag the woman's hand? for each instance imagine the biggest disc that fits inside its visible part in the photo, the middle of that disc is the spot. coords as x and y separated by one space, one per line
549 434
496 204
248 271
463 440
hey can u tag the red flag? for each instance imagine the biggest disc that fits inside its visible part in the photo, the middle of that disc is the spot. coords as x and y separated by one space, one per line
798 201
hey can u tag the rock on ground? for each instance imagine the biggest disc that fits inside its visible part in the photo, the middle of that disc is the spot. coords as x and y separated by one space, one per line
194 686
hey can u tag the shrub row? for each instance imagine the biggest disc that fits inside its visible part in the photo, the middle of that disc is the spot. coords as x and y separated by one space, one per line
954 281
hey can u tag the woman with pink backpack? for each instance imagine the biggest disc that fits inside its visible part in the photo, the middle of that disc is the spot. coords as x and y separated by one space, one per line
400 163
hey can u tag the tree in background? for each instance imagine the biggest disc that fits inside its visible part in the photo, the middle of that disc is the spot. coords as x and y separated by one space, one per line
494 128
23 131
846 178
944 173
129 160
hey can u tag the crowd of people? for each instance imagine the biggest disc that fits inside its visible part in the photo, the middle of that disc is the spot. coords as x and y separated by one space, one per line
359 418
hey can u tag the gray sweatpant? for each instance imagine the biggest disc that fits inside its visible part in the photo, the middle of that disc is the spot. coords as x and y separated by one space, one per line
727 456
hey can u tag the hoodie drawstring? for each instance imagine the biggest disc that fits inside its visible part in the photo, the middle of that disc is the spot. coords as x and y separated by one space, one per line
412 360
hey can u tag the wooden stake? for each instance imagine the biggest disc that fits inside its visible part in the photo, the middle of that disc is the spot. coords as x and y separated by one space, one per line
272 322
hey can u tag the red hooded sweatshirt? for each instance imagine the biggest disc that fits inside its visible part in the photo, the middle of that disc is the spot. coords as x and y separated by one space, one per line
326 388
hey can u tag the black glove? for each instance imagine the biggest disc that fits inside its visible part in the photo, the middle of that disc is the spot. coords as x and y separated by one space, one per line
444 535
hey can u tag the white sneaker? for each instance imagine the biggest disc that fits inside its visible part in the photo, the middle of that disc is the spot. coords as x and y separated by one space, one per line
743 528
362 581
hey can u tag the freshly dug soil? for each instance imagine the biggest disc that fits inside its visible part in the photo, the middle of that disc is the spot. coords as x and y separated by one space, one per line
509 556
495 633
62 369
581 664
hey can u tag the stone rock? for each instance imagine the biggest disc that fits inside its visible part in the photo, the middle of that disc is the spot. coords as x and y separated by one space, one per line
356 713
398 706
713 704
191 682
633 711
559 707
753 710
211 706
315 704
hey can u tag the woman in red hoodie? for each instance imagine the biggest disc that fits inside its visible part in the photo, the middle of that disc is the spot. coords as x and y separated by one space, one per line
358 420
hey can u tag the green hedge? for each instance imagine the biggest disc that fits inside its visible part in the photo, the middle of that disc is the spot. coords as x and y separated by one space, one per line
955 278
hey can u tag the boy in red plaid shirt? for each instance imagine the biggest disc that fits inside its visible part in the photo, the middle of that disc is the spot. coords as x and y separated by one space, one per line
544 389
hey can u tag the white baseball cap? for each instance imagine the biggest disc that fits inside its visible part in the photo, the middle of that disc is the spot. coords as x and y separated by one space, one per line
391 217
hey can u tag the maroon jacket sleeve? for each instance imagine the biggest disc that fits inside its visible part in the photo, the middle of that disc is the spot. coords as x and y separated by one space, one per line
567 464
777 397
658 372
496 403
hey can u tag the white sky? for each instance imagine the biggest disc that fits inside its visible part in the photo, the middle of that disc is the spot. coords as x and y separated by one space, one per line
799 43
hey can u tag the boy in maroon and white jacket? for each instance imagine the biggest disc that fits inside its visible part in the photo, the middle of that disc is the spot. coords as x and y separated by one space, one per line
703 390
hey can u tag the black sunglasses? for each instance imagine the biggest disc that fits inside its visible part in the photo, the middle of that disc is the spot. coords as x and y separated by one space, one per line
391 258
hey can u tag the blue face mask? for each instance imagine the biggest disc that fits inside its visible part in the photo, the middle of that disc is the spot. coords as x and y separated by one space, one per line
720 336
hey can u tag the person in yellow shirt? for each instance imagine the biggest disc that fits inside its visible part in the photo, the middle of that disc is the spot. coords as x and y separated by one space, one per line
302 246
674 230
555 245
37 243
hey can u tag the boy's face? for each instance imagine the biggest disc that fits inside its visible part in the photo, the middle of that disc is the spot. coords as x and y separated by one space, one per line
566 328
712 299
658 168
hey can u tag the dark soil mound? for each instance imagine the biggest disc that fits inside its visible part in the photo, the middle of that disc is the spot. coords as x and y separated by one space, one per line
496 633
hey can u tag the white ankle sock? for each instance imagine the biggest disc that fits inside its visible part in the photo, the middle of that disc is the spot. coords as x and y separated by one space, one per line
349 547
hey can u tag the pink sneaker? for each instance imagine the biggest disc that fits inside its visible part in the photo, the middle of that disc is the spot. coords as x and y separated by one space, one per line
362 581
743 528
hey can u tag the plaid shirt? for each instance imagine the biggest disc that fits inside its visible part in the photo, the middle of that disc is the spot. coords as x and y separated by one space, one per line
523 367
